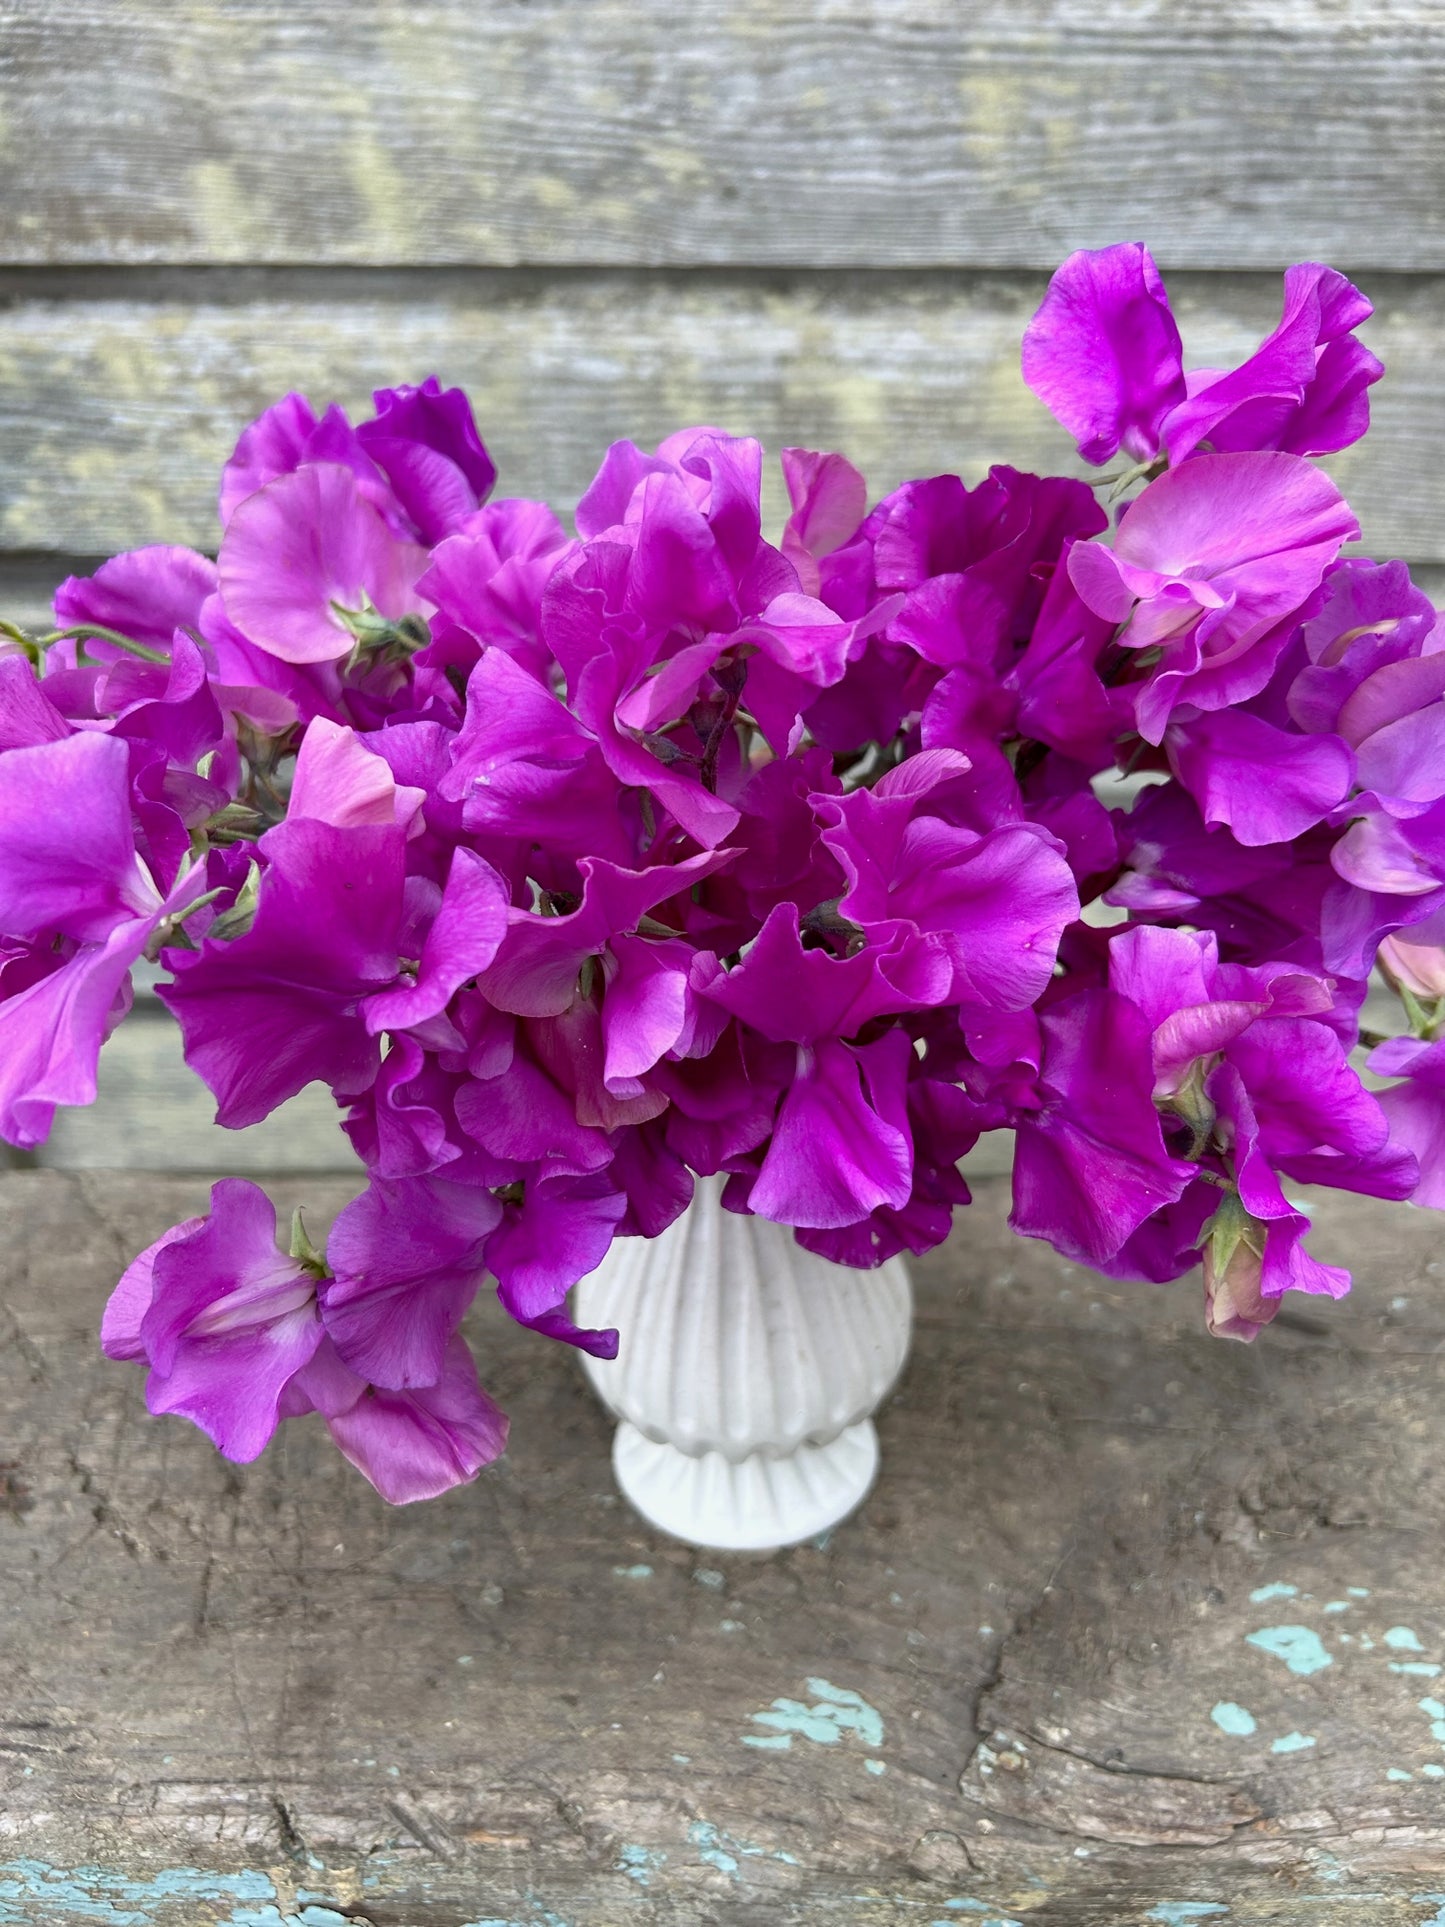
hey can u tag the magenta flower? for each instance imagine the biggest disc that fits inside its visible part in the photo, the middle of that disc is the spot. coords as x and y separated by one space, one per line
230 1330
1104 355
1103 352
73 886
304 547
1210 563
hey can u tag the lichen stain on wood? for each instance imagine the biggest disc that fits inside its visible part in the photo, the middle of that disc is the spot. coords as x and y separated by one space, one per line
914 136
120 413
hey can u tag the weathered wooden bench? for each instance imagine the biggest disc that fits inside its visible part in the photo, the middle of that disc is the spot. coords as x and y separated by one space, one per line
1136 1627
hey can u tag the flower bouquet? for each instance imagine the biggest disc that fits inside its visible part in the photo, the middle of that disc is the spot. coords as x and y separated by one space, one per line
581 866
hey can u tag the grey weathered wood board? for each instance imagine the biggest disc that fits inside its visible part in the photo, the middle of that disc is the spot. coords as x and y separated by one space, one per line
854 132
1099 1540
116 415
154 1114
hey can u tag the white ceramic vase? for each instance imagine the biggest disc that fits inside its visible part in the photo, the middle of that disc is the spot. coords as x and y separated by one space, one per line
746 1378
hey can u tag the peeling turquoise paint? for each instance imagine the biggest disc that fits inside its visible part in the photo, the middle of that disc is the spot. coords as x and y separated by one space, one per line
1437 1901
1337 1605
721 1850
1278 1590
1433 1772
99 1894
1437 1717
1397 1773
769 1742
1293 1743
1358 1592
1402 1640
1297 1646
640 1864
837 1710
1179 1913
1420 1668
874 1766
1235 1720
632 1572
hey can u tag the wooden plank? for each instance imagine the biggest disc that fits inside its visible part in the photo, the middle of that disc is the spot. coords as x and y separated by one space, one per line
877 132
153 1114
115 415
520 1705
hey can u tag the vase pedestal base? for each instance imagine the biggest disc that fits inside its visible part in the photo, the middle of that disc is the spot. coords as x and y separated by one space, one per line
754 1504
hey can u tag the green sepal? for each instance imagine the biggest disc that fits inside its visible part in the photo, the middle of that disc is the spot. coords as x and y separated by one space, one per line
302 1249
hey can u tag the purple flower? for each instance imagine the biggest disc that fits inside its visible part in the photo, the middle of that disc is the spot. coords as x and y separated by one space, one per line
522 767
1303 388
303 547
72 884
426 443
1103 352
994 905
229 1328
146 594
1415 1108
559 1232
577 868
1267 784
1090 1161
829 498
486 583
408 1257
1209 565
305 992
420 1443
223 1319
840 1146
1104 355
541 957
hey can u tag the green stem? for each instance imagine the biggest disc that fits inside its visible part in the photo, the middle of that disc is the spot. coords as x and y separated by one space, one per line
92 632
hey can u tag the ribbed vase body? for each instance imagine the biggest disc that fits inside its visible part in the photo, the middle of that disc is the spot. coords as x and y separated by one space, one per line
747 1375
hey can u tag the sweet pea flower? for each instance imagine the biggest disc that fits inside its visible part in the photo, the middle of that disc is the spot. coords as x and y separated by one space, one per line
231 1331
224 1320
307 989
994 905
1103 354
305 547
1210 564
419 460
73 885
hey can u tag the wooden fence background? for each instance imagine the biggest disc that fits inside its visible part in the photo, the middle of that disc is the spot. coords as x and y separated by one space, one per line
820 221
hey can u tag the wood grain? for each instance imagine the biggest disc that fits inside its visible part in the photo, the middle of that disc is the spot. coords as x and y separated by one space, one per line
832 132
518 1705
154 1114
116 415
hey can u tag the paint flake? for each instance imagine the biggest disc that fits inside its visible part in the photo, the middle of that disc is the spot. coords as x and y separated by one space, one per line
1235 1720
1297 1646
1401 1640
836 1710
